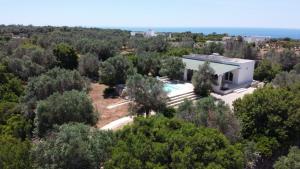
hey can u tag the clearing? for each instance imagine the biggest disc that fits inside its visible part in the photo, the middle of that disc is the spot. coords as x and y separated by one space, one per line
110 109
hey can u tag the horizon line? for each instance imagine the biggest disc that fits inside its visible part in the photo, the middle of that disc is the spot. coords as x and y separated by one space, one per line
184 27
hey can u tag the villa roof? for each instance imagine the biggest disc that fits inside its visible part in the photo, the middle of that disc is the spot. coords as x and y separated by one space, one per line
217 59
219 68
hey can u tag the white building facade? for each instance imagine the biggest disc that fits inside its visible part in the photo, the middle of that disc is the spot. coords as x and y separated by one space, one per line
230 73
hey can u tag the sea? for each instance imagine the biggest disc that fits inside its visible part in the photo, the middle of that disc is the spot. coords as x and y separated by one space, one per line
270 32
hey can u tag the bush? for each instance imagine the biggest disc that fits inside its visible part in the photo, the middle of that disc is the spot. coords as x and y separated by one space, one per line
10 87
71 106
147 93
203 79
66 56
266 70
148 63
89 66
291 161
14 154
55 80
110 92
114 70
73 146
172 67
270 117
170 143
208 112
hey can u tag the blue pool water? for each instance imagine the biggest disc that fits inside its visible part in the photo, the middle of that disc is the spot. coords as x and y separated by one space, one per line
170 87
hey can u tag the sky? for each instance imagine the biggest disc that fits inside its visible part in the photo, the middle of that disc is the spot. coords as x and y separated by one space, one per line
153 13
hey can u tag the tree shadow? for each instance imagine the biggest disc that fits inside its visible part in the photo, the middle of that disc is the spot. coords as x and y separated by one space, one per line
110 92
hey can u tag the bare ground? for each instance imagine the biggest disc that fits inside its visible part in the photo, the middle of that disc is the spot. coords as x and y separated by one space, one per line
100 103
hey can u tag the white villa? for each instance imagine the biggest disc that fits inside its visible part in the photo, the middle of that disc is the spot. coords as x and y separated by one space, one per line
230 73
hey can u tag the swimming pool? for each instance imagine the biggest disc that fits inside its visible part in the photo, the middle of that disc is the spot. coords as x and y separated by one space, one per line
175 89
168 87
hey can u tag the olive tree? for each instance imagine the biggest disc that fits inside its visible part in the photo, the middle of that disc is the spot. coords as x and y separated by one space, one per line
89 66
173 67
146 92
203 79
66 56
73 146
71 106
114 70
55 80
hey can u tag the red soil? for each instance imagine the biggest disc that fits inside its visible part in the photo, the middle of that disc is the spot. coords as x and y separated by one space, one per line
100 103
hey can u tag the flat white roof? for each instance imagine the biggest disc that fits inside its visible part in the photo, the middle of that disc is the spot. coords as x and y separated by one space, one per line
217 59
219 68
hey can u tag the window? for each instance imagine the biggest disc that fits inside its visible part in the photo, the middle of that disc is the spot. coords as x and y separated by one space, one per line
229 76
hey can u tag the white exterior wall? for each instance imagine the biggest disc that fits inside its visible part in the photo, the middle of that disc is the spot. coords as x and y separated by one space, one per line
246 72
236 74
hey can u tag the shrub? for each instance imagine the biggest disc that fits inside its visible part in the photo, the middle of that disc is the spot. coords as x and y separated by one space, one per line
71 106
73 146
171 143
172 67
55 80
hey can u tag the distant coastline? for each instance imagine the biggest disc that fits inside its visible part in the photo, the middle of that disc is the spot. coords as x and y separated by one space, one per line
273 32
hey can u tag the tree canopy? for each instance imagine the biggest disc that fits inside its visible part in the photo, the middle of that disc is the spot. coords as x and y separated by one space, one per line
266 70
89 66
173 67
71 106
115 70
208 112
73 146
170 143
270 117
55 80
66 56
148 63
147 93
291 161
14 153
203 79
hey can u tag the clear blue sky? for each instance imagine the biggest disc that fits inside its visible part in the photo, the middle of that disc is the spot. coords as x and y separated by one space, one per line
153 13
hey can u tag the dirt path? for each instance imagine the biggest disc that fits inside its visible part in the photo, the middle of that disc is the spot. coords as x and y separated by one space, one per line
107 115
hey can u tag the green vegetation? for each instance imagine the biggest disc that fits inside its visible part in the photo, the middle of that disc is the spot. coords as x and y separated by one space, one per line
71 106
208 112
66 56
148 63
266 71
172 67
291 161
73 146
115 70
55 80
14 153
286 58
270 118
147 93
44 80
89 66
10 86
238 48
213 47
203 79
170 143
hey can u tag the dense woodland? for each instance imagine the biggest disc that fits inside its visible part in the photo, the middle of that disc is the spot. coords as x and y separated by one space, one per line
47 120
